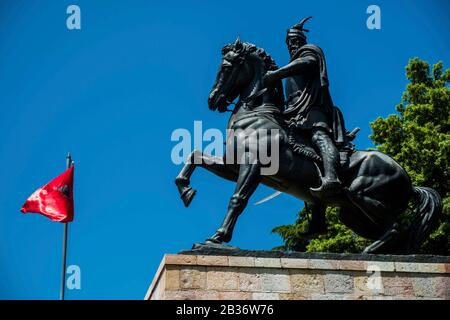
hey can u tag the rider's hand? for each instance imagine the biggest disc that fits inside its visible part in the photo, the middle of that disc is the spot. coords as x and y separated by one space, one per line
268 78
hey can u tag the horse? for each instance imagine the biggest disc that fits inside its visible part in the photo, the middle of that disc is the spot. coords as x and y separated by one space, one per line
376 189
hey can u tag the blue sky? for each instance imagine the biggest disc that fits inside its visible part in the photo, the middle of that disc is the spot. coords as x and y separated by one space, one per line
113 92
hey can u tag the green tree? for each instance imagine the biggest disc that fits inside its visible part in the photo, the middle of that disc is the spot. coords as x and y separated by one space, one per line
418 137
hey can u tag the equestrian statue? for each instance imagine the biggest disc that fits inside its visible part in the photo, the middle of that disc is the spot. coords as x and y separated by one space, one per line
317 161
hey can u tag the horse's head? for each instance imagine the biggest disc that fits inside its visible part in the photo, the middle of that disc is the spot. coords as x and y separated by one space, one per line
232 75
241 70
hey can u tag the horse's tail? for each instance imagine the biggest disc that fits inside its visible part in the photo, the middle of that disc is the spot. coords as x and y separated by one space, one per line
428 205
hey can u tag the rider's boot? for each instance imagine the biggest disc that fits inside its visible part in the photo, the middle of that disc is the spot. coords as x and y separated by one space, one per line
330 156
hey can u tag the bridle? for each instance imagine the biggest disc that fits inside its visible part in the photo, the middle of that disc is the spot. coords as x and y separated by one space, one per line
251 97
247 101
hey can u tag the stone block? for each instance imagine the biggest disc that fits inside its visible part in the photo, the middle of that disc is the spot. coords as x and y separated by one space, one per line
193 277
431 287
353 265
365 285
293 296
212 261
331 296
322 264
376 266
265 296
275 281
250 279
294 263
180 259
234 295
171 278
268 262
397 285
221 278
241 261
306 282
420 267
191 295
338 283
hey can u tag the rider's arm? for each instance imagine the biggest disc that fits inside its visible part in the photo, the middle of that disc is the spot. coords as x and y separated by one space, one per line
299 65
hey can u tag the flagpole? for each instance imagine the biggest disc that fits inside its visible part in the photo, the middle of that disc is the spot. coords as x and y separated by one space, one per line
69 163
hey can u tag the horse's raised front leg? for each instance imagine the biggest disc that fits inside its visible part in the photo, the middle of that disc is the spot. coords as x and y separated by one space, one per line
247 182
197 158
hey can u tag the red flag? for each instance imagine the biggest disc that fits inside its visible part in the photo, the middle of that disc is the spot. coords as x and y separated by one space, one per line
55 199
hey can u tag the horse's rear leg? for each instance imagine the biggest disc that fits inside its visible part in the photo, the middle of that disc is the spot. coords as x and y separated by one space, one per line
368 223
362 194
210 163
317 225
247 182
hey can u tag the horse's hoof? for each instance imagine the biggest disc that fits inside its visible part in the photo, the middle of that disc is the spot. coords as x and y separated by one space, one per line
212 245
219 237
188 195
215 239
212 241
388 244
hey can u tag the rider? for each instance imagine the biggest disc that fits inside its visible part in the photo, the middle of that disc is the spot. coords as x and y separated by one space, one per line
309 104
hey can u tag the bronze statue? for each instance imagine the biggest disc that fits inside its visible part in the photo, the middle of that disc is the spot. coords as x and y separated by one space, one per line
317 161
309 104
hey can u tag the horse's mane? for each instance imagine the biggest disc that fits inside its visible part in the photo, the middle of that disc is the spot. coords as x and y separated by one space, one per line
250 48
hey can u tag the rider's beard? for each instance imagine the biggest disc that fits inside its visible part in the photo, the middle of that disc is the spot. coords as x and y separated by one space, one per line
293 51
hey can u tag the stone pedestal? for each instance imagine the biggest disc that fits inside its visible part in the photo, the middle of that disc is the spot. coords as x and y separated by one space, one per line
255 275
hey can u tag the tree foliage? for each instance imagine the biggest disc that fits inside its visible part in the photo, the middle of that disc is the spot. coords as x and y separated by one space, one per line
418 137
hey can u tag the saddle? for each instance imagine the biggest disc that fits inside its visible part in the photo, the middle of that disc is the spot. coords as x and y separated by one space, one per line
343 142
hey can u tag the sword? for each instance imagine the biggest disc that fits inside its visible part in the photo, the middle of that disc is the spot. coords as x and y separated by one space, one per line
276 194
